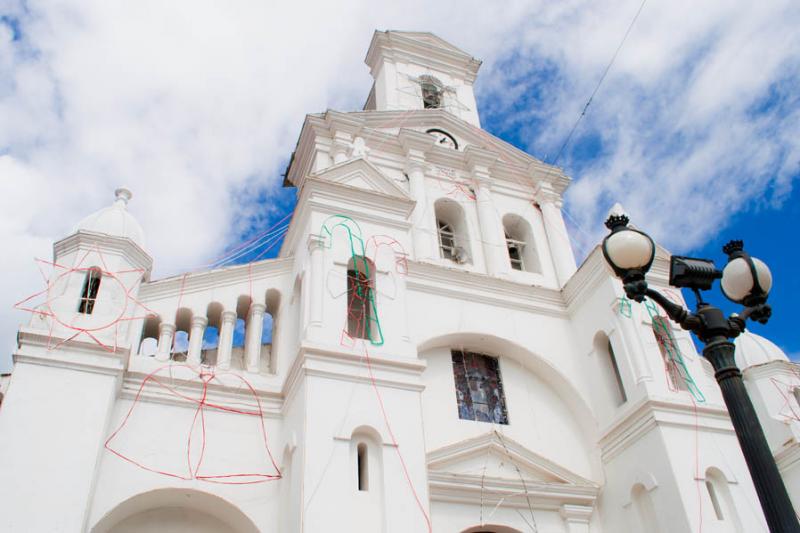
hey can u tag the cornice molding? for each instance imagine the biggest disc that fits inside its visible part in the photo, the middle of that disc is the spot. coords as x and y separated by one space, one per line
485 490
788 457
361 201
638 419
341 364
770 369
360 166
217 394
200 281
490 442
476 287
514 167
76 355
89 240
420 48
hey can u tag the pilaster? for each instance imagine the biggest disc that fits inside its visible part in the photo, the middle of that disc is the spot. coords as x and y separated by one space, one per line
550 202
423 231
479 162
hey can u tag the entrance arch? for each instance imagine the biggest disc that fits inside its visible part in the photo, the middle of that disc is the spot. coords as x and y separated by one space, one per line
491 529
175 511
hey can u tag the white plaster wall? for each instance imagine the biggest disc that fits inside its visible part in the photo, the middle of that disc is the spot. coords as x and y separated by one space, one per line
53 423
155 435
335 410
538 417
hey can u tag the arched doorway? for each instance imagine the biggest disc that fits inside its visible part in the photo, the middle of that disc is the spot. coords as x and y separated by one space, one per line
490 529
175 511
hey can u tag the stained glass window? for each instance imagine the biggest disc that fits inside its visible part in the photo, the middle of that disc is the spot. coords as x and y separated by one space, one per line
670 352
479 388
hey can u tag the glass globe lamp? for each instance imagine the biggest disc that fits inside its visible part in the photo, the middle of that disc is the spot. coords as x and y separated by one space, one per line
745 280
628 251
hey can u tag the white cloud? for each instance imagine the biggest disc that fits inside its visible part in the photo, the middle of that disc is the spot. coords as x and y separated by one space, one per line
192 103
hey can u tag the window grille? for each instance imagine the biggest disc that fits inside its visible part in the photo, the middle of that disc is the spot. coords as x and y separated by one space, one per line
431 95
360 298
91 285
515 249
479 388
447 240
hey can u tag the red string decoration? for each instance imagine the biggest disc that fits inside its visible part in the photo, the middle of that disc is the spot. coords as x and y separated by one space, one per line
195 452
50 302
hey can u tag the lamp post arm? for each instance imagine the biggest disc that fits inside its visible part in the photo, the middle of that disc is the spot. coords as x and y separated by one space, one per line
676 312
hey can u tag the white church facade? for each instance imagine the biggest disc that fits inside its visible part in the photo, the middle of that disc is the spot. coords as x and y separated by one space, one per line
422 355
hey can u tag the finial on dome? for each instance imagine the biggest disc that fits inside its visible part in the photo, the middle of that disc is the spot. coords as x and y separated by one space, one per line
123 195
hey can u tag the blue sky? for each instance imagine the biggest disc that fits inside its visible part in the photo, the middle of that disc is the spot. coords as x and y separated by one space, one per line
196 106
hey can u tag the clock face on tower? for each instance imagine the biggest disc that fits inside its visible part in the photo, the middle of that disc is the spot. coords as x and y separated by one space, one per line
443 138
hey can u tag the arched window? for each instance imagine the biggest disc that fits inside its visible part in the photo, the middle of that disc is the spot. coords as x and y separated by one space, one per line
712 494
669 352
452 231
520 245
608 362
721 501
91 285
645 512
362 465
361 311
149 343
210 344
431 92
180 343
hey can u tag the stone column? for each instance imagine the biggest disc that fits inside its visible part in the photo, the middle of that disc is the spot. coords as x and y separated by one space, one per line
166 332
225 344
576 517
560 248
252 336
194 355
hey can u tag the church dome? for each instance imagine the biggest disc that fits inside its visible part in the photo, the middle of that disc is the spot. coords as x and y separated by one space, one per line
752 350
114 220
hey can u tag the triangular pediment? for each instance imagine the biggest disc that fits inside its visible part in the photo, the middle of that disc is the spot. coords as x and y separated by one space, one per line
427 38
465 133
498 457
361 174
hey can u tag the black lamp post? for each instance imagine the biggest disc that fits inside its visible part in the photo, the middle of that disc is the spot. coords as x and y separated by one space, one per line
745 280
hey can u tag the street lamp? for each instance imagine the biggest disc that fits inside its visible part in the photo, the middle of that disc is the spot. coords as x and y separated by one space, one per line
745 280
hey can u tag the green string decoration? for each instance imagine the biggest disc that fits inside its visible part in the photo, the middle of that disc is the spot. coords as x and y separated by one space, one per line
374 332
625 307
666 339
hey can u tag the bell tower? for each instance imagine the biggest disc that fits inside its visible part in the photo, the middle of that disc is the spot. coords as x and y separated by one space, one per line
68 367
418 70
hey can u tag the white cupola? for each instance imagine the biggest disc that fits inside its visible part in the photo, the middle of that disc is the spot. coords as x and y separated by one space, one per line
114 220
752 350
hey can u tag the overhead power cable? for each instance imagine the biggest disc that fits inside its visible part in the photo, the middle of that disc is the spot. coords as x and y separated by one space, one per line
599 83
